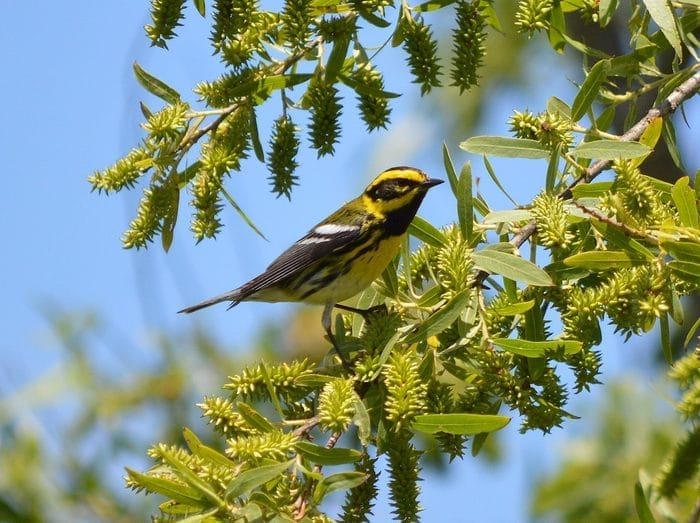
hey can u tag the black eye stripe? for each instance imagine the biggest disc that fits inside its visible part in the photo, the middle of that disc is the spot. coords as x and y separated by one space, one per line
388 189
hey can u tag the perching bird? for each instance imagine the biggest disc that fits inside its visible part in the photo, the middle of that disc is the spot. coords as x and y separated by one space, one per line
343 254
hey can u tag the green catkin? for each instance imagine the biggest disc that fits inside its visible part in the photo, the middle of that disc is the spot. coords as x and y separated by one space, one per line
468 45
360 500
325 109
165 17
336 405
284 147
374 109
421 48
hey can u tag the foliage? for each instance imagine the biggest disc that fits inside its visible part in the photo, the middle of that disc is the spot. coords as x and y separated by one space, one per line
304 54
463 326
61 433
626 445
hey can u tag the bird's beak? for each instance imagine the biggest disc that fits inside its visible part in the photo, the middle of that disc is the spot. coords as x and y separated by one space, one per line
431 182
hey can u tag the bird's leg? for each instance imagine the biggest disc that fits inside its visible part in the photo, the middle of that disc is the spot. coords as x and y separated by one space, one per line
365 313
326 320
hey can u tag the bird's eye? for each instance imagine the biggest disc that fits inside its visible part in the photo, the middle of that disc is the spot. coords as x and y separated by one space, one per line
391 189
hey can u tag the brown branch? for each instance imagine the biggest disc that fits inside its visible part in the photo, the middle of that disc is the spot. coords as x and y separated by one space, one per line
681 93
668 106
630 231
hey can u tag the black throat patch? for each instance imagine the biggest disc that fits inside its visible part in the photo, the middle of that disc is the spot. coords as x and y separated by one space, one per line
398 221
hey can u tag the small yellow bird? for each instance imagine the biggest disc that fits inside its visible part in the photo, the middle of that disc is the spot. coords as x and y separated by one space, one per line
344 253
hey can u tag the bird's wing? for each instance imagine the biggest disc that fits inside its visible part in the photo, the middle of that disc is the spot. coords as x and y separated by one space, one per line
324 239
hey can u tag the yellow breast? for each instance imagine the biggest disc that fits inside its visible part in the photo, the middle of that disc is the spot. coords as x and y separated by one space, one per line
363 267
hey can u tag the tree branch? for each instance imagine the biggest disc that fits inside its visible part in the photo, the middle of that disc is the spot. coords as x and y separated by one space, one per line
681 93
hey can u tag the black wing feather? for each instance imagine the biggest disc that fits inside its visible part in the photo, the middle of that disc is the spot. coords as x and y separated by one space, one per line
299 257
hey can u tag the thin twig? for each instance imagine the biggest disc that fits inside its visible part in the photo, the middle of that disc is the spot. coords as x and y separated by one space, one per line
631 231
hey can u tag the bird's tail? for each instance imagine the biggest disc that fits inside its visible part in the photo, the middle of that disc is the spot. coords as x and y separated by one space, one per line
233 296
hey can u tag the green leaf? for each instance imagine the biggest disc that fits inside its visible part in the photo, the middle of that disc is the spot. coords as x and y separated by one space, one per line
479 439
255 138
459 423
271 389
691 332
669 134
652 133
465 206
193 480
610 150
488 11
324 456
313 380
253 478
642 505
492 174
432 5
242 213
662 14
604 260
203 451
505 147
557 27
340 481
385 353
552 169
175 509
430 297
676 313
606 9
170 489
155 86
442 318
509 216
688 268
390 278
268 84
537 349
591 190
170 219
589 89
511 266
558 106
186 175
145 111
684 198
450 170
426 232
201 8
621 240
514 308
362 88
606 118
362 421
250 512
374 19
336 59
254 418
666 339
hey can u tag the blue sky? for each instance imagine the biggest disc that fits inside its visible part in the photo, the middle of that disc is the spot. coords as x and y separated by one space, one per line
71 106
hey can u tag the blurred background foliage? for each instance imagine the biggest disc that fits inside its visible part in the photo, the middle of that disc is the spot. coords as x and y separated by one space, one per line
65 436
